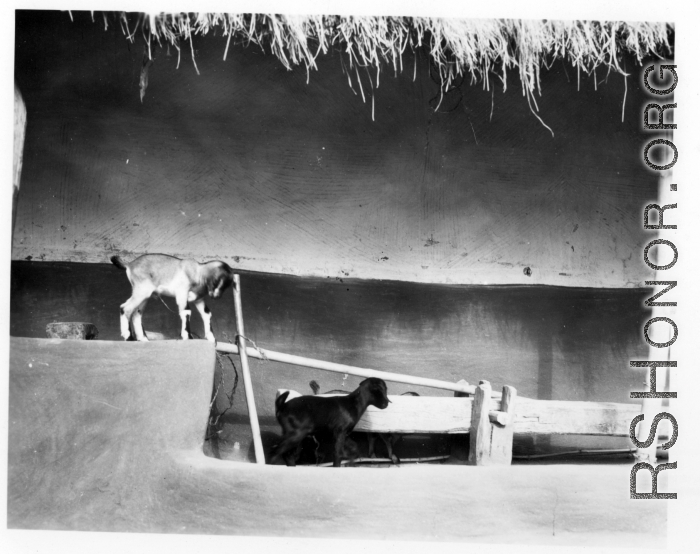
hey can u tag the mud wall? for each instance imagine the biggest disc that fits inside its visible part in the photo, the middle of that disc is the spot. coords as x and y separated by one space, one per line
459 241
252 164
549 342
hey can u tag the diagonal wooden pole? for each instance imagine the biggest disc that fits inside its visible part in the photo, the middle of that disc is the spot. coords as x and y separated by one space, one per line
264 354
247 382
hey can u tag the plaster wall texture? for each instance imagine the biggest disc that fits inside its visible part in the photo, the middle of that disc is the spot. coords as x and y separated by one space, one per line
252 164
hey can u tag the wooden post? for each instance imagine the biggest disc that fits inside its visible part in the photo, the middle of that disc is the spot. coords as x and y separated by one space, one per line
480 433
247 382
502 429
491 433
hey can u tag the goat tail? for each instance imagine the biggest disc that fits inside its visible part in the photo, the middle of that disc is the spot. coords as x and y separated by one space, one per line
116 260
280 400
314 386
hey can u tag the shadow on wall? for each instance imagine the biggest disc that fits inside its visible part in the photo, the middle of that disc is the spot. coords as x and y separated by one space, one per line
548 342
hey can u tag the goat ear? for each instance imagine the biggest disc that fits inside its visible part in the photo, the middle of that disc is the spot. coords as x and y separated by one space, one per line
212 282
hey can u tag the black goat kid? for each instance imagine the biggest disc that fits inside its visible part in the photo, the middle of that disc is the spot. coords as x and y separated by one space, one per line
337 415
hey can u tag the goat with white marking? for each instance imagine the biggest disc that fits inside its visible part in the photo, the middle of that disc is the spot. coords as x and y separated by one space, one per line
164 275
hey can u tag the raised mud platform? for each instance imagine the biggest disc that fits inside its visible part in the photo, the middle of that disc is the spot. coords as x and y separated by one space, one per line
107 436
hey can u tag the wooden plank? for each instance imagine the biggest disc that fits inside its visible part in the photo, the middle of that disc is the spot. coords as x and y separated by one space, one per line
573 418
481 427
431 414
446 414
416 414
502 433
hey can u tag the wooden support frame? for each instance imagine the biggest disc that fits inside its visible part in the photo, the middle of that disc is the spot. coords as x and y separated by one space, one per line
489 417
509 416
490 423
448 415
537 417
491 432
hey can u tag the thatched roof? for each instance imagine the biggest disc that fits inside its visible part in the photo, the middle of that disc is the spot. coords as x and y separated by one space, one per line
484 49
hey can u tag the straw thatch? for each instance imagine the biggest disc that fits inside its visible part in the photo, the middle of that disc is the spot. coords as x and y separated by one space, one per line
480 48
